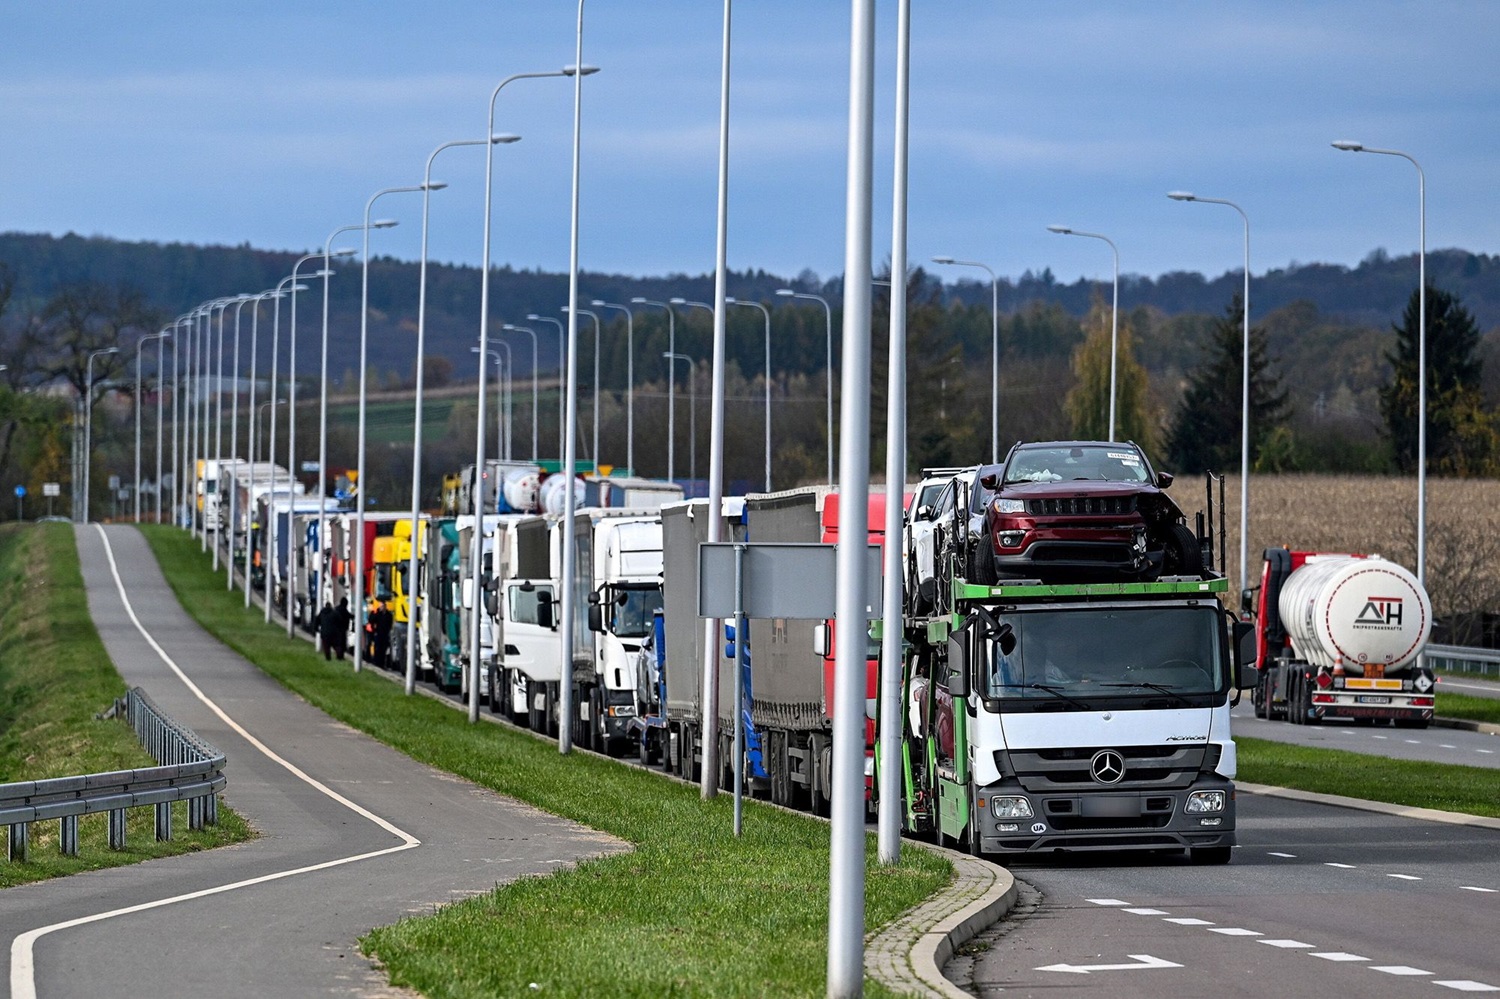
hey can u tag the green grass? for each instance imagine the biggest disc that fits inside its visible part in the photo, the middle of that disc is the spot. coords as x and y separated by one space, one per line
1451 788
689 911
1480 709
54 678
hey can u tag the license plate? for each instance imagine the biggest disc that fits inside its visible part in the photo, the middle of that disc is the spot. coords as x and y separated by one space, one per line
1110 807
1372 699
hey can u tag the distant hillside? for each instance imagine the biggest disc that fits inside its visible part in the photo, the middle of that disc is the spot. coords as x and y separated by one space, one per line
175 277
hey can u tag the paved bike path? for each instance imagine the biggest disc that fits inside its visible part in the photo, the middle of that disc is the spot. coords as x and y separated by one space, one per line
441 838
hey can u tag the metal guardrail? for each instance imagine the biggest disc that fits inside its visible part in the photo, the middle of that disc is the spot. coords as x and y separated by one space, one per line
1464 659
191 770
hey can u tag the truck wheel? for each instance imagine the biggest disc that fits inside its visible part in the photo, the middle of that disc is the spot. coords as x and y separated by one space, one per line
536 718
1258 699
980 564
1208 855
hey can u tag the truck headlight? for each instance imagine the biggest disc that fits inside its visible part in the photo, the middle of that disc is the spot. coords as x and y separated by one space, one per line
1011 807
1205 801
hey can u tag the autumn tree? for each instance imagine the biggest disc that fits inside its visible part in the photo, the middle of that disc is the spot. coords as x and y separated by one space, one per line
1205 433
1088 400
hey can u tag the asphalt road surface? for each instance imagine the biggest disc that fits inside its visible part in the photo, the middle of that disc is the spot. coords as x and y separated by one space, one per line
1434 744
352 834
1318 901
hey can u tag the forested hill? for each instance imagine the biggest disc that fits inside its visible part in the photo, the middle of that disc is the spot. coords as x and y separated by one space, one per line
174 277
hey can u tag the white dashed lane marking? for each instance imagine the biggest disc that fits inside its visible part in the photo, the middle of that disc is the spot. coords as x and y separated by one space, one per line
1464 985
1342 867
1104 901
1188 921
1404 877
1147 912
1288 856
1398 969
1235 931
1477 888
1338 955
1286 944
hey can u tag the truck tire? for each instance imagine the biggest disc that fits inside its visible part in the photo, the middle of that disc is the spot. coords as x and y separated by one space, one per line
536 720
1209 855
1258 699
980 564
494 694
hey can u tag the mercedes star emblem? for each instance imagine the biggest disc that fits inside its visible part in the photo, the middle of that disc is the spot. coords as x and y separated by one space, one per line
1107 766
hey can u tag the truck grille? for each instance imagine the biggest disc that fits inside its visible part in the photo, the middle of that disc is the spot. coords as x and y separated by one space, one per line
1146 768
1088 505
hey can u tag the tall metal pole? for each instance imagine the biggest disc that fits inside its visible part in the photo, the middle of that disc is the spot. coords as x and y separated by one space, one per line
828 320
888 711
595 317
629 380
534 360
846 882
293 549
1355 147
160 385
994 347
1244 389
222 305
566 708
273 529
234 441
767 314
476 547
362 486
141 343
88 424
1063 230
671 384
254 428
562 352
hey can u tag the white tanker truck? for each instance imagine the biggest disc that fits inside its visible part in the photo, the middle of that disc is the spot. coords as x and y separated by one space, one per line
1340 636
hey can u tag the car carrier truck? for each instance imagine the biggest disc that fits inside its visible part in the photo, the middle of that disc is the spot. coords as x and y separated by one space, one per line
1341 636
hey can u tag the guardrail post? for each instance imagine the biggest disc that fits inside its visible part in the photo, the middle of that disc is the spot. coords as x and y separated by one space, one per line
212 816
117 828
16 842
195 813
164 821
67 835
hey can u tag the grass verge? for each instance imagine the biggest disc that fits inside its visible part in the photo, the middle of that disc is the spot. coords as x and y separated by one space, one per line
54 678
1479 709
1449 787
690 911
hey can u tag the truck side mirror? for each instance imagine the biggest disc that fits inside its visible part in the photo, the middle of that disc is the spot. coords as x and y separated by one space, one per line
1244 643
596 616
492 602
544 618
821 644
958 666
1249 677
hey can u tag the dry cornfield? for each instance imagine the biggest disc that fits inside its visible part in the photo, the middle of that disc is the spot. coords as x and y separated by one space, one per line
1370 514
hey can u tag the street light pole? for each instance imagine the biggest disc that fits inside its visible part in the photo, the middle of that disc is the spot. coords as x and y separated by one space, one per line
767 314
88 424
273 529
251 415
828 318
511 328
136 492
671 384
234 440
160 384
994 348
629 379
712 318
562 353
1244 389
692 412
502 400
1356 147
1114 314
292 548
595 317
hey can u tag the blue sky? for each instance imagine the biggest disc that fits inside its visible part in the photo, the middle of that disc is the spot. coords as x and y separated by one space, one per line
272 122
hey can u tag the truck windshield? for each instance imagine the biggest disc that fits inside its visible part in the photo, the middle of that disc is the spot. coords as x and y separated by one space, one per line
633 607
1085 658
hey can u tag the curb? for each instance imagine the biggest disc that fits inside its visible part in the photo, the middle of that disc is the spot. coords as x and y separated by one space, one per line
1488 728
1365 805
908 955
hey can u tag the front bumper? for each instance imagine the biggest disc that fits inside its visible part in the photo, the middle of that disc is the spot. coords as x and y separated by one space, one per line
1106 820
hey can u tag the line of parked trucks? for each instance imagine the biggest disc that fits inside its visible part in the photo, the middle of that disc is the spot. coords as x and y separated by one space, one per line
1070 661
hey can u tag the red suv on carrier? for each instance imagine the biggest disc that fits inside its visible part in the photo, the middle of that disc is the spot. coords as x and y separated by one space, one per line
1073 510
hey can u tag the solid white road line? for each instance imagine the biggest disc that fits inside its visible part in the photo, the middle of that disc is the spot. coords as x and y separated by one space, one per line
22 969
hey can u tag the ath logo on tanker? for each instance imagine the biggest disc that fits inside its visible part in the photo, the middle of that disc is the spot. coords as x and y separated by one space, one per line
1380 612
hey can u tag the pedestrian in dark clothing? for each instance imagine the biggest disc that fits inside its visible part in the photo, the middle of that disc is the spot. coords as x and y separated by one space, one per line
381 621
340 629
325 630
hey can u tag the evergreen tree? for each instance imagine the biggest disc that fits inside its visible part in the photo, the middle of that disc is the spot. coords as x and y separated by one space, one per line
1088 400
1205 431
1453 397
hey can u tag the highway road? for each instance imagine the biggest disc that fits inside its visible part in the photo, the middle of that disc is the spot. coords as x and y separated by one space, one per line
1434 744
352 834
1318 901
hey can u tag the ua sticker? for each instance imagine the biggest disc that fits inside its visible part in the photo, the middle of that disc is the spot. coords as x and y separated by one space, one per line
1038 828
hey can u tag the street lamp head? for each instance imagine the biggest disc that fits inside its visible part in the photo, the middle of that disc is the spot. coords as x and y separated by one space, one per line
109 350
533 316
325 272
434 185
936 260
598 303
347 251
731 301
634 301
1182 196
677 301
384 224
303 287
1349 146
587 70
1061 230
504 138
785 292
